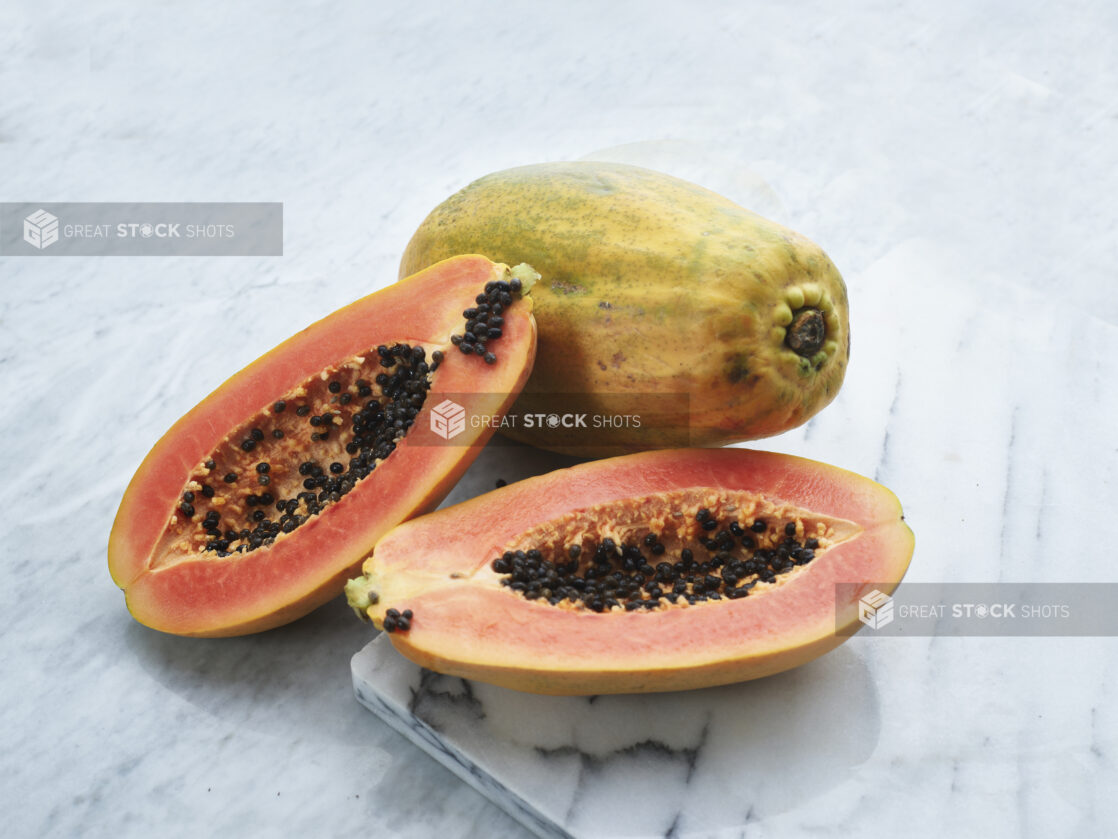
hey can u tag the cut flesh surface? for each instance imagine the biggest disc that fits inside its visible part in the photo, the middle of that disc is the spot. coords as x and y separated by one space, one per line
158 547
466 621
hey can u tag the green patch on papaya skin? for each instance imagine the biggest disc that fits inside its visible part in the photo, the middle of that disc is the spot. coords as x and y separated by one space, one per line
737 370
566 288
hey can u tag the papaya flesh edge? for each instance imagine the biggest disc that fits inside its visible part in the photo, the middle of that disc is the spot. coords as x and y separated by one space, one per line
203 594
464 623
658 298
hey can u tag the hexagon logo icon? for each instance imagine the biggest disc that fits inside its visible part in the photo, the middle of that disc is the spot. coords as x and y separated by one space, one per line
40 229
448 419
875 610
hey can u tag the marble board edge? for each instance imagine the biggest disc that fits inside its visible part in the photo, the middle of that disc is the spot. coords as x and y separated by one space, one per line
428 739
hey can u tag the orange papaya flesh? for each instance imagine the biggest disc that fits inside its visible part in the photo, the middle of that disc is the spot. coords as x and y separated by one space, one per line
257 505
758 595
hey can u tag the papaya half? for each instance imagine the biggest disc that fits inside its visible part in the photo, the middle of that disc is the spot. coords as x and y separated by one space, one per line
660 300
257 505
655 571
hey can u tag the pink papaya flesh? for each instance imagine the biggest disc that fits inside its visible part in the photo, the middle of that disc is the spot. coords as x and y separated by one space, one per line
657 571
257 505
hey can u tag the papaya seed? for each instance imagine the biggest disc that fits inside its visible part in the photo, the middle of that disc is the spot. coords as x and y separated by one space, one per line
396 621
368 430
619 574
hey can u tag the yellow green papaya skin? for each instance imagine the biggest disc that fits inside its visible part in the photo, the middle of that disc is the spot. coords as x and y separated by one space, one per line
715 324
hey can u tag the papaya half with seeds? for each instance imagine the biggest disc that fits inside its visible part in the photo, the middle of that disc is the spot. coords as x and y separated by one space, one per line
659 299
655 571
255 507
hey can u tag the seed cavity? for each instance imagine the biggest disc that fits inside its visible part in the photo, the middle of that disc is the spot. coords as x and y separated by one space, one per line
691 550
308 448
345 443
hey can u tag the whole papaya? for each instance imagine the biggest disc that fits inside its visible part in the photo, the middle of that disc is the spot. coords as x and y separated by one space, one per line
668 314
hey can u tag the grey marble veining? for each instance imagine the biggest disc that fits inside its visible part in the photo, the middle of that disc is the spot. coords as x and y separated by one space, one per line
693 763
958 163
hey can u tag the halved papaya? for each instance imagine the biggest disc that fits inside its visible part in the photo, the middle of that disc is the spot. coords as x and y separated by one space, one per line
657 571
255 507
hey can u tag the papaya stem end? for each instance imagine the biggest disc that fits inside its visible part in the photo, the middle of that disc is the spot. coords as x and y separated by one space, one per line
807 332
360 596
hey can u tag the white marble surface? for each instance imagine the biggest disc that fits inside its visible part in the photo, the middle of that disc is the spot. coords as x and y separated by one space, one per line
958 162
